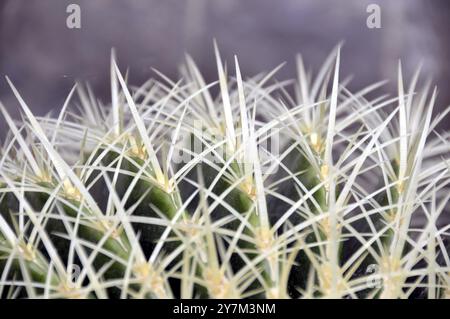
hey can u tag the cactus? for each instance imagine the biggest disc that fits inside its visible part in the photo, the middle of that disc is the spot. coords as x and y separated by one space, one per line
172 192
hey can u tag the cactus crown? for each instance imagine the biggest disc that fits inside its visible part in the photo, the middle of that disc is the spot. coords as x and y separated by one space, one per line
171 191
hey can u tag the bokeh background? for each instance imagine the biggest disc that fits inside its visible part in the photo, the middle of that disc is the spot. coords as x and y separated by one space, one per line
44 58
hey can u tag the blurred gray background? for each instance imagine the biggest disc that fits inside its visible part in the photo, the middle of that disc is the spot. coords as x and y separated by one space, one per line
44 58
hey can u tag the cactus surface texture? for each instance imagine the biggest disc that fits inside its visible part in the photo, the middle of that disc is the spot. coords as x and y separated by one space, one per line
239 188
